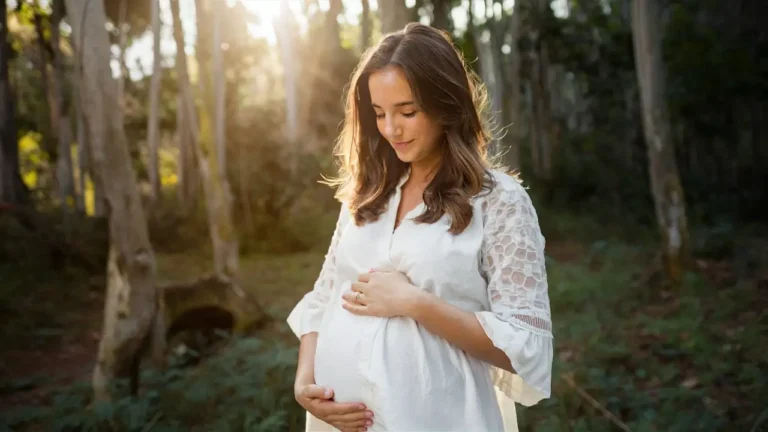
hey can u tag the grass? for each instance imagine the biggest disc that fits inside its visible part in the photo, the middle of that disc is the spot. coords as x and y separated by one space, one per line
658 358
247 387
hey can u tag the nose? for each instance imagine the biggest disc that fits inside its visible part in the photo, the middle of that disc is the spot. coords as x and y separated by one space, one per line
392 128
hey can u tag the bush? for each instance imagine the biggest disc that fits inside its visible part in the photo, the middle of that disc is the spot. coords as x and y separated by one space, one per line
37 241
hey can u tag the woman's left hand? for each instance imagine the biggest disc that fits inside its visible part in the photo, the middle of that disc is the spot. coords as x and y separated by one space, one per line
381 293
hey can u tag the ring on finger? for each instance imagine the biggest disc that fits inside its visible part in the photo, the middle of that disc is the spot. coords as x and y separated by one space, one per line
357 297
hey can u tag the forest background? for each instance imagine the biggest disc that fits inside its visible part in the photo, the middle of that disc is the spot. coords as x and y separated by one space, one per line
161 211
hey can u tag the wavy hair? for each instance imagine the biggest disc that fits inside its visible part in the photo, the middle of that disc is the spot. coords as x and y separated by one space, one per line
445 89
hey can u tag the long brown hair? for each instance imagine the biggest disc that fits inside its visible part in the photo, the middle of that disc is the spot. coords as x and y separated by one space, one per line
445 89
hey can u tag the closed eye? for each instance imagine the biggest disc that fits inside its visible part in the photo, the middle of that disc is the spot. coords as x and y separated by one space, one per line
408 115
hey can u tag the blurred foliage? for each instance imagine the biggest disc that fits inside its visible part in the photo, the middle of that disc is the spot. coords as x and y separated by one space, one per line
716 91
34 165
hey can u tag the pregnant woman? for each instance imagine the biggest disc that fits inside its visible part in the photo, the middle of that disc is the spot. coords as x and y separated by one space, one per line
431 311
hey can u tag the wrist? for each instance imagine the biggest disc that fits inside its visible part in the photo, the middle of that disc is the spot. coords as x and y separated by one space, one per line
303 380
418 304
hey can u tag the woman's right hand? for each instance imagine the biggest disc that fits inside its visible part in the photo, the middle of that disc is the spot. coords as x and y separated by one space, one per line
347 417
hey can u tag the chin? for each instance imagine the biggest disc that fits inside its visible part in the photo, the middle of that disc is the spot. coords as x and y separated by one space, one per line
404 156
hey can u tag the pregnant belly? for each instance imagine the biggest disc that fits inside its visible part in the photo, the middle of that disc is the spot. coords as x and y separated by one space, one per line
393 365
343 353
360 357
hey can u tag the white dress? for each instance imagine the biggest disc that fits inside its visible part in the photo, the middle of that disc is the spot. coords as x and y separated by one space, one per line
411 379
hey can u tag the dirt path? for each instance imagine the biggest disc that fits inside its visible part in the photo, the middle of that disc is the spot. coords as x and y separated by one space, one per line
32 371
30 377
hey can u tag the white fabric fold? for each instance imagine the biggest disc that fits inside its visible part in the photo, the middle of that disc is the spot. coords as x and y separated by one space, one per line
529 354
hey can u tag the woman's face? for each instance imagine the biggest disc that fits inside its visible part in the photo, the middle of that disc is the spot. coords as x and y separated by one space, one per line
413 134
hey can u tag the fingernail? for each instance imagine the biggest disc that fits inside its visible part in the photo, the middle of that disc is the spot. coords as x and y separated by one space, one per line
362 407
369 414
368 423
327 393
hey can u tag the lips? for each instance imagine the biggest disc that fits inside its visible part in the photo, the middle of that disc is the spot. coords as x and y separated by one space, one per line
402 144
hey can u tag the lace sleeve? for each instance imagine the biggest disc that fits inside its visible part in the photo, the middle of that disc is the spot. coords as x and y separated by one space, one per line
308 313
519 322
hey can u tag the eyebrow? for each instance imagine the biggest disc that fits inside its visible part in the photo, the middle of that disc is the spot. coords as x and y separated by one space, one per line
399 104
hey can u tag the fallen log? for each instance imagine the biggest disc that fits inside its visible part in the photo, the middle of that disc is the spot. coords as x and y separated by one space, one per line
210 302
205 304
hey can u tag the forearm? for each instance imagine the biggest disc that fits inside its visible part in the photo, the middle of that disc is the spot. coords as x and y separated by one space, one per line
305 370
458 327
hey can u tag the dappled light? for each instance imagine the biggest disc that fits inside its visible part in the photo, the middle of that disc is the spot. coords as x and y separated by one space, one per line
164 203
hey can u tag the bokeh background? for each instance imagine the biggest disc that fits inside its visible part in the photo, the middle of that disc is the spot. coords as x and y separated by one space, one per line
199 130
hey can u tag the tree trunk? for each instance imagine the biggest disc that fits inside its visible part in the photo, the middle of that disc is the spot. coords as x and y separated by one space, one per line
181 142
511 72
189 175
441 15
82 162
492 73
84 156
489 71
49 137
12 189
547 137
187 119
471 32
331 27
131 301
122 18
64 171
666 188
84 151
532 128
215 184
544 136
219 92
394 16
287 41
366 26
153 120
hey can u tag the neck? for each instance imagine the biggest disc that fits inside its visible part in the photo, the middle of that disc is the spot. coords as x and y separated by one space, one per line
422 172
